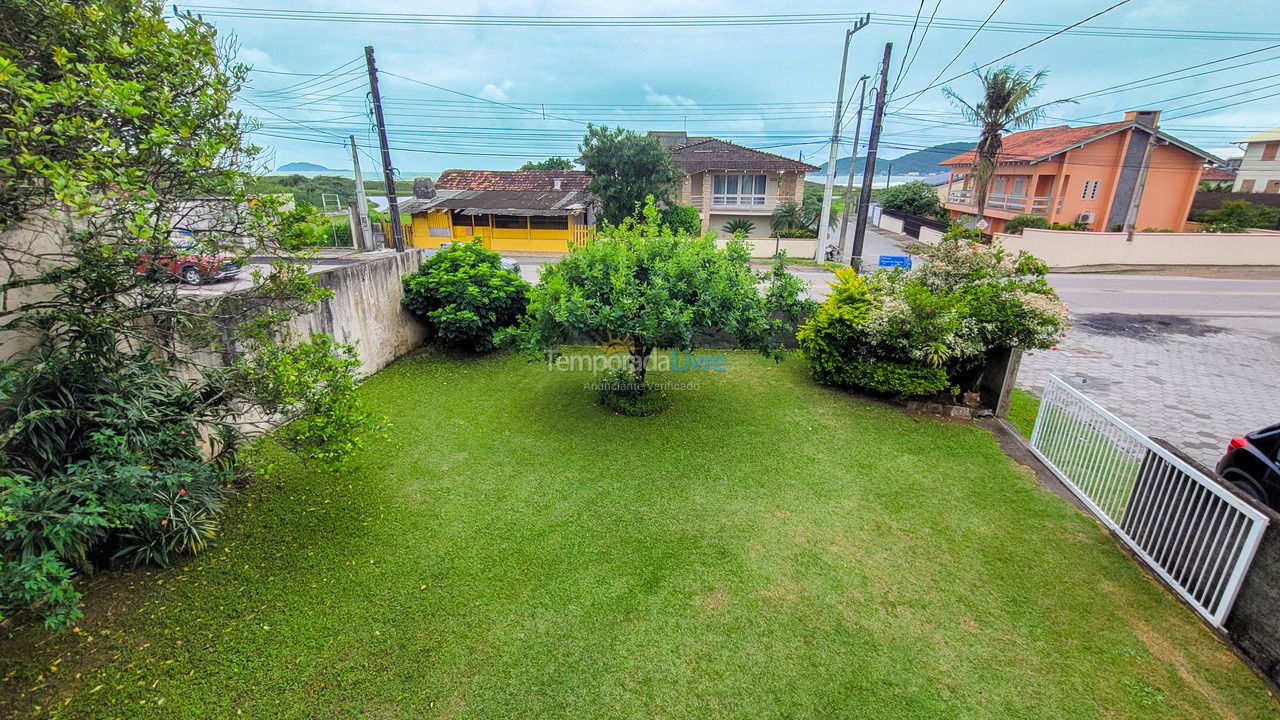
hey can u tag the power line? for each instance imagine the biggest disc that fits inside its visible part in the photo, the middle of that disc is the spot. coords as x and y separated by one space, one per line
945 68
483 99
584 21
906 67
1028 46
910 41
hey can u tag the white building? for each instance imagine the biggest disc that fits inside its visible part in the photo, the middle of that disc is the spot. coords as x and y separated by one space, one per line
1260 168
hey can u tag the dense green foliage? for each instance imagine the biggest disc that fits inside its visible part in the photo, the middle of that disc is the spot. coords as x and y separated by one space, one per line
792 233
465 295
512 551
922 331
1238 216
739 226
913 198
125 402
650 288
682 219
1017 223
551 163
626 167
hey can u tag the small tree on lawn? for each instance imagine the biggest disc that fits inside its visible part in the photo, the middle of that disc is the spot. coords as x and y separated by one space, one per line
626 167
655 289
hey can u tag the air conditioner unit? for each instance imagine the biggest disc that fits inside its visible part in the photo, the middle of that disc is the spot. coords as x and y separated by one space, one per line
1086 217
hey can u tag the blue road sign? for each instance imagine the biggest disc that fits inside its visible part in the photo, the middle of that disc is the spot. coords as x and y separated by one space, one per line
901 261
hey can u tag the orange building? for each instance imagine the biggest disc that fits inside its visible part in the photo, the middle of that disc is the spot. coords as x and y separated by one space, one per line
1088 175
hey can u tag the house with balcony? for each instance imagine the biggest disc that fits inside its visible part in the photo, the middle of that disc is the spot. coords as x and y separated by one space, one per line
510 211
1088 175
727 181
1260 167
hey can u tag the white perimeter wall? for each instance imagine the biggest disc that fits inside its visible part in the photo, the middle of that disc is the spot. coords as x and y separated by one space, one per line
1066 248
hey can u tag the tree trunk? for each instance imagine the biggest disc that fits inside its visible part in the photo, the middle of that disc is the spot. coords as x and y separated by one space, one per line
984 166
640 361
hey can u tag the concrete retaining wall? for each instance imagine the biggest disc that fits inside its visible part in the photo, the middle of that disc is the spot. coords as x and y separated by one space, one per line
365 309
1067 248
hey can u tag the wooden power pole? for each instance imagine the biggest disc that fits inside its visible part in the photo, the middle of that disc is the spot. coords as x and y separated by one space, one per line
388 172
853 168
868 171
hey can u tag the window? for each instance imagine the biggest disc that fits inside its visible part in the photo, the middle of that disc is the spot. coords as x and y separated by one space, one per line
554 222
1020 186
1270 150
1273 187
462 220
1090 190
738 189
1246 185
511 221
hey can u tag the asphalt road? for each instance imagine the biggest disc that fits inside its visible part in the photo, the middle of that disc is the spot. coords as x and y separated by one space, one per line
1092 293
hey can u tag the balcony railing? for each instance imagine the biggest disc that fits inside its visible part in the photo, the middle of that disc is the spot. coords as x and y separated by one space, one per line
1004 201
739 203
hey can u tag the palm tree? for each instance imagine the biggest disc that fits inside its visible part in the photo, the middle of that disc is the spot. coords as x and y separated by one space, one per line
1006 93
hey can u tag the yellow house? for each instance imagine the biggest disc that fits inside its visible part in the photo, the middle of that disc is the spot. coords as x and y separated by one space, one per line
542 211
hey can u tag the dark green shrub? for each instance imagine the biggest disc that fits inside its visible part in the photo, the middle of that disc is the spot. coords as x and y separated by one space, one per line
622 392
792 233
913 198
465 296
1016 223
1239 215
739 226
683 219
1077 225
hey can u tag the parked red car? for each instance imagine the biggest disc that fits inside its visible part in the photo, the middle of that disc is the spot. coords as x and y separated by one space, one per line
191 266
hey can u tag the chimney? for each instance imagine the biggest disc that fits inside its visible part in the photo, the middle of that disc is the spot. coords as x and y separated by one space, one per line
423 188
1145 118
555 183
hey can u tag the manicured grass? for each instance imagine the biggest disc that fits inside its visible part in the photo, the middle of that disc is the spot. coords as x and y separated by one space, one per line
1023 407
767 548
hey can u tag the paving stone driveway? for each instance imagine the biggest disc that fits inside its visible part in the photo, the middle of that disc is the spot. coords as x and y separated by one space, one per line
1195 383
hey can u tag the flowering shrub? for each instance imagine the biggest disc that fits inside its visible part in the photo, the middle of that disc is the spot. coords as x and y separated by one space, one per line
927 330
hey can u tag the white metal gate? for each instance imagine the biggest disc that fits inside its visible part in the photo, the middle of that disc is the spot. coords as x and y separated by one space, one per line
1198 536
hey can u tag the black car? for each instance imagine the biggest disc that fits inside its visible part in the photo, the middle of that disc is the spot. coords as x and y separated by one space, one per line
1252 465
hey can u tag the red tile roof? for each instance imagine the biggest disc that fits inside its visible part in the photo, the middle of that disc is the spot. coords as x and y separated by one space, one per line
1032 145
1214 173
513 180
716 154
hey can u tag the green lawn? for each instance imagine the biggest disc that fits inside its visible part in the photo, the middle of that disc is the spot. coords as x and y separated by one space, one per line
767 548
1023 407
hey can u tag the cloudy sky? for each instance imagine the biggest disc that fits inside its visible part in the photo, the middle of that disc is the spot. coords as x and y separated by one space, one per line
492 96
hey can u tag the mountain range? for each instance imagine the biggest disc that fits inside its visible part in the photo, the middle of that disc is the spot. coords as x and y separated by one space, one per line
924 162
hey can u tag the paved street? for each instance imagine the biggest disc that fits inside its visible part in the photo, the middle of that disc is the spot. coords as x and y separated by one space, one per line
1195 361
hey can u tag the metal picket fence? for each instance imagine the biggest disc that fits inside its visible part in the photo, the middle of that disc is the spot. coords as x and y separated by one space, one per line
1195 534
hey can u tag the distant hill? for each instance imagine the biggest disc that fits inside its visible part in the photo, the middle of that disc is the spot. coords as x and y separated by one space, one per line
301 167
924 161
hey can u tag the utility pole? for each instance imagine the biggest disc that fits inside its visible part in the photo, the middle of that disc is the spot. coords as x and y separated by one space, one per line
845 247
824 226
362 203
873 144
393 205
888 175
